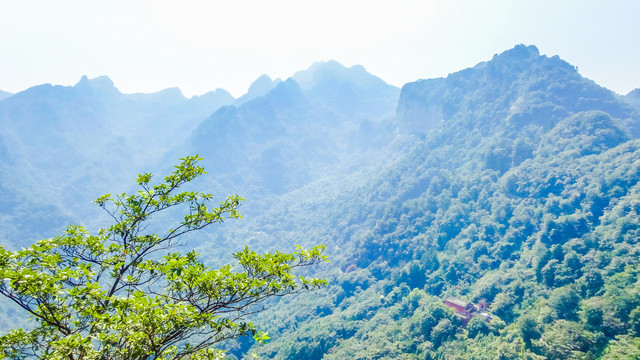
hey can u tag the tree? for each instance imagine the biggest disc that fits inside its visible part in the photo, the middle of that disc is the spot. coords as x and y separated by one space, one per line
529 329
622 348
565 339
443 331
121 294
565 301
477 326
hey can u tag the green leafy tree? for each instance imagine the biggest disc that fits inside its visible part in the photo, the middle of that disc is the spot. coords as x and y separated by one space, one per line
477 326
121 294
565 301
529 329
443 331
566 340
624 347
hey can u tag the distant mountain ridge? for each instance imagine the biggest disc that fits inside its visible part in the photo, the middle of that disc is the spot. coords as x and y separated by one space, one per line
4 95
69 144
260 87
72 141
350 90
520 82
293 133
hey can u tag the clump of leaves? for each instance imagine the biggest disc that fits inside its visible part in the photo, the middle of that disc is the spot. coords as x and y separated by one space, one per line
112 296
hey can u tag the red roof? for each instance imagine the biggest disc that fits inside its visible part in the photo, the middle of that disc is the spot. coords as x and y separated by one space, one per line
457 301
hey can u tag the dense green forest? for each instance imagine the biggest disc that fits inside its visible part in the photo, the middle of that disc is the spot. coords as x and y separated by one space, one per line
515 182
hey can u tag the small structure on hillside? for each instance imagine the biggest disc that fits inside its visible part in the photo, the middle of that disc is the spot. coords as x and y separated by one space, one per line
460 306
466 310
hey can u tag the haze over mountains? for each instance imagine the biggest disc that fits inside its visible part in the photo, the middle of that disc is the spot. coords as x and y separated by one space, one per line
633 98
514 181
65 145
4 95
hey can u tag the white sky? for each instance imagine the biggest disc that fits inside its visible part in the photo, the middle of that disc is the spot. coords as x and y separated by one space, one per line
200 45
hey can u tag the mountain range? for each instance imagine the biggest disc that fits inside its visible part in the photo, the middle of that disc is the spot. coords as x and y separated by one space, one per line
514 182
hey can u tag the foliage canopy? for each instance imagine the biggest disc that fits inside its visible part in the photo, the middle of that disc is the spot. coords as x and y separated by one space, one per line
121 294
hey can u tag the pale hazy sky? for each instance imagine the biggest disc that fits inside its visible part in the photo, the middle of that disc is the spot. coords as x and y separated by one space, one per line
200 45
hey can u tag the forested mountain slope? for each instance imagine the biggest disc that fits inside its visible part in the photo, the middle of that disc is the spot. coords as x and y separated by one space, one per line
515 181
